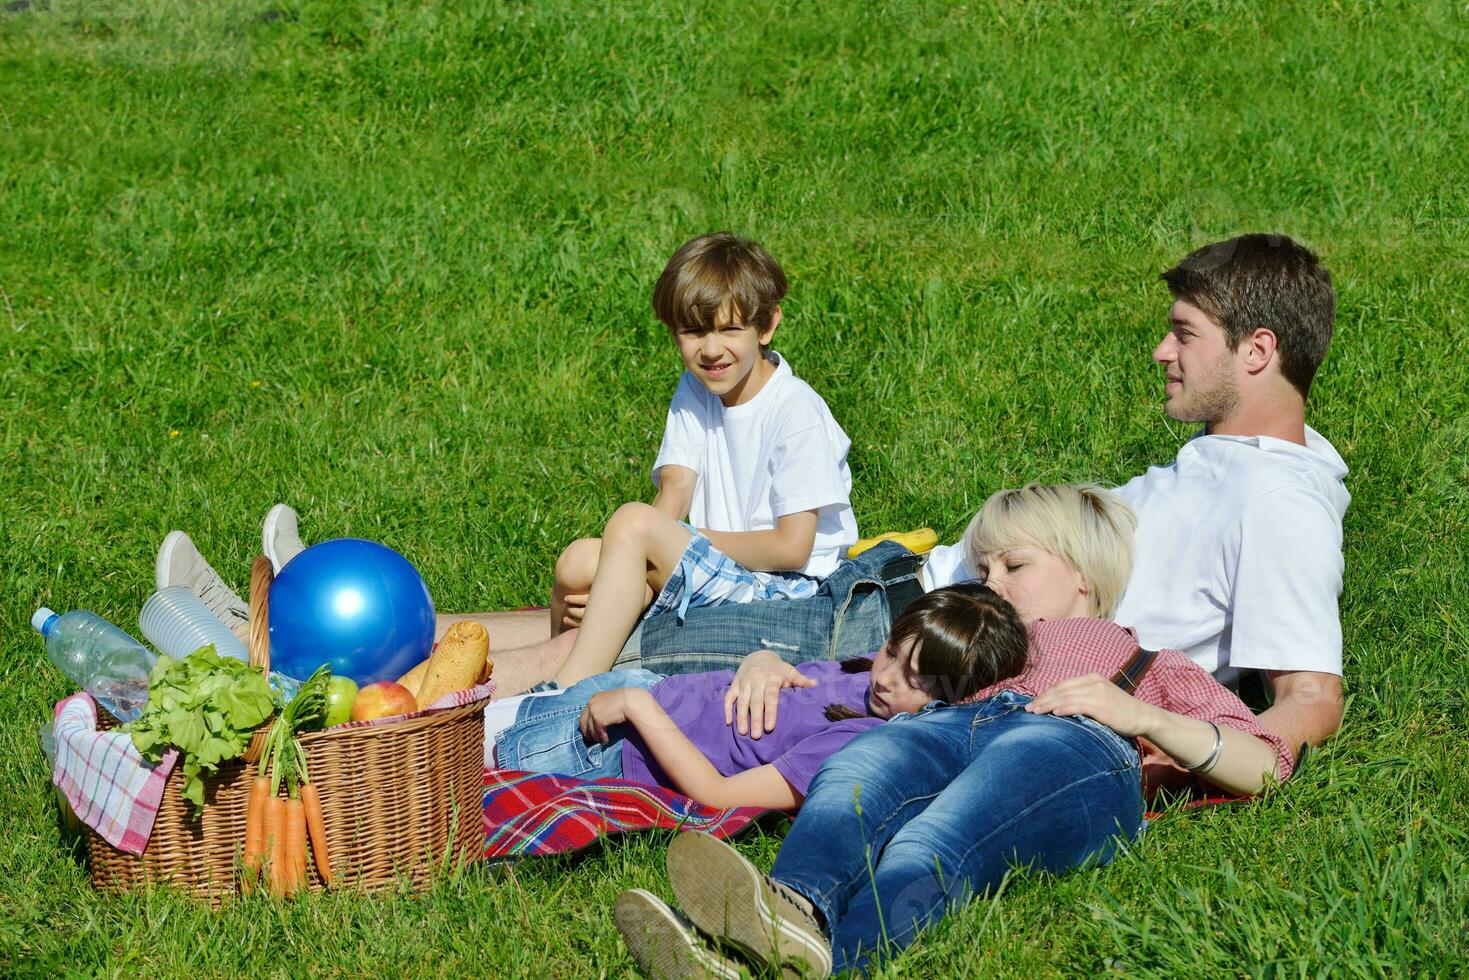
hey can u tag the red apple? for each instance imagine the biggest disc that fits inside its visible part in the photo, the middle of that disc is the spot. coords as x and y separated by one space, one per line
382 700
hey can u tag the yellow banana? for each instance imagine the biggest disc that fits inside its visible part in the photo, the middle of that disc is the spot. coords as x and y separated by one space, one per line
918 541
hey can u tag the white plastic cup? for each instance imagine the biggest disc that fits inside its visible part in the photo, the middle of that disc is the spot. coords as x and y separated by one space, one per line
177 623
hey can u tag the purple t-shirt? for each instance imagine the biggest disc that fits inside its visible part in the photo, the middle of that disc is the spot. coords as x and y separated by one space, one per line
803 738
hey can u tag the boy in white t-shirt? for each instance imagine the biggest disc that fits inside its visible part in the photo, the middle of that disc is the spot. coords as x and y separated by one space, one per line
751 456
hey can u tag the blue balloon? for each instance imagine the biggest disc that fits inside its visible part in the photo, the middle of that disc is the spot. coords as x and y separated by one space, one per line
356 605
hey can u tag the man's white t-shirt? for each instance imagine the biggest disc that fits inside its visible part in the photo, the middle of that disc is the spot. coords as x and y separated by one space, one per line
779 453
947 564
1237 559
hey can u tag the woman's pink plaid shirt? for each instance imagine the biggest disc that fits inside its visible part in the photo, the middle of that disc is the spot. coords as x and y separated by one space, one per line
1074 647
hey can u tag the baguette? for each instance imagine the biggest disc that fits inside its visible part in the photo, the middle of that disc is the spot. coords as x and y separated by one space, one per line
459 661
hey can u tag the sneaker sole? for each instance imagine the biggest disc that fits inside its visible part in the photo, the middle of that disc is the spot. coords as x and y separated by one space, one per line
662 945
165 559
268 529
725 897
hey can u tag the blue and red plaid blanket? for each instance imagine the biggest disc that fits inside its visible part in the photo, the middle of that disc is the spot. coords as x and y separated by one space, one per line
533 814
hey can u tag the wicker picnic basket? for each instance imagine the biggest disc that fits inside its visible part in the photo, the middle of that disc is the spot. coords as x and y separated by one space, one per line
400 801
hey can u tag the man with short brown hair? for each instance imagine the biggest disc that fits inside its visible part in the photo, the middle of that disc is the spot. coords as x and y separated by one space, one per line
1238 557
1252 282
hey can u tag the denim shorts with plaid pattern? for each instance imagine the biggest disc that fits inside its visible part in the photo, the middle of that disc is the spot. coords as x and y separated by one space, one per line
706 576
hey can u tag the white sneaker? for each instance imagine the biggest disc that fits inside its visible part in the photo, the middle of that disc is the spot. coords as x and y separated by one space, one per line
279 537
663 943
179 563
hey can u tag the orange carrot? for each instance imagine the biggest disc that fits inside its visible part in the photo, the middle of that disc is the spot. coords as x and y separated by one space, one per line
275 843
295 846
311 800
254 832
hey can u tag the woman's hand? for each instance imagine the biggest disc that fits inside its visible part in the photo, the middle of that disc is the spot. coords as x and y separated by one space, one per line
753 698
1100 700
605 709
1245 762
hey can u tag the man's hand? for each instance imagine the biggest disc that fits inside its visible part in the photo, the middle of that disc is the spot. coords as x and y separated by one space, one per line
1161 773
1100 700
604 710
753 698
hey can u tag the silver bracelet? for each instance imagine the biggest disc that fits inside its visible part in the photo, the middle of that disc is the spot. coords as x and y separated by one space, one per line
1208 763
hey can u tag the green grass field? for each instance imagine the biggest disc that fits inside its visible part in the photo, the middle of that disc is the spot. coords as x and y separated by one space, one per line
392 262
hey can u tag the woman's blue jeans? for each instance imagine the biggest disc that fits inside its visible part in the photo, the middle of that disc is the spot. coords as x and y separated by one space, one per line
922 814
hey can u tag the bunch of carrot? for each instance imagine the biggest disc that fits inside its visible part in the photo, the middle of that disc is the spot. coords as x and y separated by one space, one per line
276 827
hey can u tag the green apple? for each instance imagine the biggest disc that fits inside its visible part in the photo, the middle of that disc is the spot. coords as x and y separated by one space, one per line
340 693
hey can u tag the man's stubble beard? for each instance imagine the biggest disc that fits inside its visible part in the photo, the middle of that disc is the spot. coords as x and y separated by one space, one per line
1214 401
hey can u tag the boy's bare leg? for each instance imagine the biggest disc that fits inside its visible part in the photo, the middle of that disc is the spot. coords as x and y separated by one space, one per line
640 549
517 671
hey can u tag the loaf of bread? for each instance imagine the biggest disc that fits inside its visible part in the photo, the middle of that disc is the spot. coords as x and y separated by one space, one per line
460 660
414 678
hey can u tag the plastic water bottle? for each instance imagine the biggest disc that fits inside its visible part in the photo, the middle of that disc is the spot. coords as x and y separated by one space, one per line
284 685
98 657
47 732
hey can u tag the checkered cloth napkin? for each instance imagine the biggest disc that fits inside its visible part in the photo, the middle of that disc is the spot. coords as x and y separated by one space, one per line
108 783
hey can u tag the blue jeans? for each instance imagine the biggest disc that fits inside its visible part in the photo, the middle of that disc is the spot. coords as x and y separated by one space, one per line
945 802
848 617
546 736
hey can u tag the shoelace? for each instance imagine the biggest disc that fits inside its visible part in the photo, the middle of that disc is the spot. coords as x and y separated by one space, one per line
218 601
801 903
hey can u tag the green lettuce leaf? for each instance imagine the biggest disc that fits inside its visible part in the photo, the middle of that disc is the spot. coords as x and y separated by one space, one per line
207 706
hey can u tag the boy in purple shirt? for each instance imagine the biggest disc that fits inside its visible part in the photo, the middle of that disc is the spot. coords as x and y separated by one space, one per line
672 731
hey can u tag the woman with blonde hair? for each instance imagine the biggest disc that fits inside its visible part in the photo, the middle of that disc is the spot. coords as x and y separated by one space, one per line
1084 525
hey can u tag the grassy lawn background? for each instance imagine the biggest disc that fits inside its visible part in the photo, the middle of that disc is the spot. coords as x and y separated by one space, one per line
392 263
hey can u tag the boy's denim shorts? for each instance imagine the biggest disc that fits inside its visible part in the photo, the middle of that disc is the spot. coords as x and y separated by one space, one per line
848 617
707 576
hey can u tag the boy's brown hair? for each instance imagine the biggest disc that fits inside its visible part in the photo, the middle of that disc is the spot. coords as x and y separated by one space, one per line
714 274
1263 281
